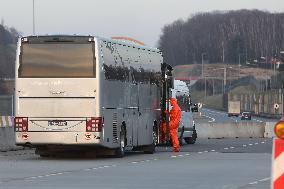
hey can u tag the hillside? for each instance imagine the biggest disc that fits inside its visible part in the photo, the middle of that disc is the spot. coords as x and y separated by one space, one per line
8 39
217 71
230 37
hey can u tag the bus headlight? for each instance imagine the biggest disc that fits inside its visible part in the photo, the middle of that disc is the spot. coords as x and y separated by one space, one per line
279 129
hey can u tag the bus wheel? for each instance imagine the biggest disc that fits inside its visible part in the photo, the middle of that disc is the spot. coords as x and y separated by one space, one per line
121 150
152 147
190 140
42 152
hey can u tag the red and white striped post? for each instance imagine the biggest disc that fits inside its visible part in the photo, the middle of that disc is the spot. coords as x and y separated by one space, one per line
278 164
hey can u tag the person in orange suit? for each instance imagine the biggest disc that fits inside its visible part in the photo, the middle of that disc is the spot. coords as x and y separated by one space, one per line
175 116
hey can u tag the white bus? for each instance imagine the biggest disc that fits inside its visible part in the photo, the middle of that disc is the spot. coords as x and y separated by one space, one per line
86 93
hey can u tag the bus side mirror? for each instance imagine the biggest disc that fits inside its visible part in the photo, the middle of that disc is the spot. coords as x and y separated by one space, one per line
171 82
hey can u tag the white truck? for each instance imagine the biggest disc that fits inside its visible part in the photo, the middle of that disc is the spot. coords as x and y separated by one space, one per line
234 108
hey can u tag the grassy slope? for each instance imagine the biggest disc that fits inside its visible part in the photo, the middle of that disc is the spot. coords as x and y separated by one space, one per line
216 101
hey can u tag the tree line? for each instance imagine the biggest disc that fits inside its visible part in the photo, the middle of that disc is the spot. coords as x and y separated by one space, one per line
8 40
224 37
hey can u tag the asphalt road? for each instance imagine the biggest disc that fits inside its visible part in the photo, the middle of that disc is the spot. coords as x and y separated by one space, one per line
208 164
209 115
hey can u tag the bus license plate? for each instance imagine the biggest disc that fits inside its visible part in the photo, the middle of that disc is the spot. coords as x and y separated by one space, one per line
57 123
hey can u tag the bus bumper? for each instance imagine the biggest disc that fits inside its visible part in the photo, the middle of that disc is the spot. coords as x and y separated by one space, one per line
58 138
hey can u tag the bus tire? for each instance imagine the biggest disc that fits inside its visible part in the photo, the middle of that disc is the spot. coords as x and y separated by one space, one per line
42 152
119 153
190 140
152 147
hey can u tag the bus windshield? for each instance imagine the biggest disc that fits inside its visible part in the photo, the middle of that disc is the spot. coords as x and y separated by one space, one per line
57 60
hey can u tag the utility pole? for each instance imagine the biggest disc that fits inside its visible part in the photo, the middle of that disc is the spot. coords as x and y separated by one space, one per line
33 17
225 79
239 66
202 62
202 71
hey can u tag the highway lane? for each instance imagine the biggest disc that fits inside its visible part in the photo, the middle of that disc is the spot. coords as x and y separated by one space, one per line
209 164
210 115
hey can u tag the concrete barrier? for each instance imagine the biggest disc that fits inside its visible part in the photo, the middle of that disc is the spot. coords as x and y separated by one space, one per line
7 134
269 130
7 139
6 121
230 130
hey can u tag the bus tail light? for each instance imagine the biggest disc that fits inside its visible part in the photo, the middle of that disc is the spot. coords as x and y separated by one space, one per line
21 124
94 124
279 129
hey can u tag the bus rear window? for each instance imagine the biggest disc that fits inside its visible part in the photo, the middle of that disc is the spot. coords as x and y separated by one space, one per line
57 60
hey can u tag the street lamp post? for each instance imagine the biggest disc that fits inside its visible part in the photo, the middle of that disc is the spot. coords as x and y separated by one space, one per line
202 72
240 64
33 17
202 62
224 77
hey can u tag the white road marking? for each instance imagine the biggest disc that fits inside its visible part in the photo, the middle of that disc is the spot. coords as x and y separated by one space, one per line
256 143
212 119
250 144
173 156
31 178
262 142
253 182
265 179
180 155
261 180
212 150
134 162
205 151
187 154
244 145
215 111
200 152
232 147
226 148
257 120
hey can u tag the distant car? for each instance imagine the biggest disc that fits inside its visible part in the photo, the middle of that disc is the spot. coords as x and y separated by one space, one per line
246 115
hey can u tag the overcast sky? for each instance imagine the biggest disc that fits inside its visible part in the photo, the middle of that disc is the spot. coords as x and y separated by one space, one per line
139 19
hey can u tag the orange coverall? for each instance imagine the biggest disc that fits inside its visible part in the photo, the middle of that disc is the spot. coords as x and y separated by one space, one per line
175 116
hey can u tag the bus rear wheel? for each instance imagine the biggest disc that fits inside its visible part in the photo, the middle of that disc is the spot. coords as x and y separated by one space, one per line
42 152
152 147
190 140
